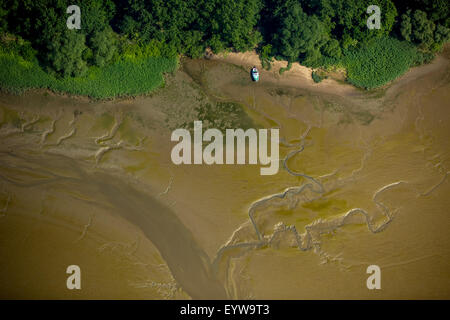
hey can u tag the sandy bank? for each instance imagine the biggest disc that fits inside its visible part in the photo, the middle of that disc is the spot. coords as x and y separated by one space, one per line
300 76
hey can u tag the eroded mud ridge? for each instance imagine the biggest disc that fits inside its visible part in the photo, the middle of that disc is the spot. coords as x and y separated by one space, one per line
363 180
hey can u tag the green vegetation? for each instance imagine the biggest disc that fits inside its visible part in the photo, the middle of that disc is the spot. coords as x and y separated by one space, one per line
266 56
94 61
125 77
124 47
416 28
318 76
325 33
312 30
379 62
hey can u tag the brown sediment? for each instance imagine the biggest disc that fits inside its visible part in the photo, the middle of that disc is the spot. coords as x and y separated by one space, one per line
99 189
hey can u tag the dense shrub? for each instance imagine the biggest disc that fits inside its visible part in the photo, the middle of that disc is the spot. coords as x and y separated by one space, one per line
317 76
379 62
266 56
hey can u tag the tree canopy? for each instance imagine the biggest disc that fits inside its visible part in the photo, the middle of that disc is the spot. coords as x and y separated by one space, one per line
307 31
417 28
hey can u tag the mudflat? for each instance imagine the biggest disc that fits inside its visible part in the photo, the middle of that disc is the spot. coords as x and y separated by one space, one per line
363 180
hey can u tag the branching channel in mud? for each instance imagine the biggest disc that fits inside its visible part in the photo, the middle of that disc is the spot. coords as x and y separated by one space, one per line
310 239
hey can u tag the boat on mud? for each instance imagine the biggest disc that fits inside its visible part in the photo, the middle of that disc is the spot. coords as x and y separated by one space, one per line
255 74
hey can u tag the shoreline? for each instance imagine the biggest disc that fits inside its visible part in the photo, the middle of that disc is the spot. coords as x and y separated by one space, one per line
298 77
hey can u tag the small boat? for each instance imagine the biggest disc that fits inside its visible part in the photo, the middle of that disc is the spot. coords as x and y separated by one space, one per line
255 74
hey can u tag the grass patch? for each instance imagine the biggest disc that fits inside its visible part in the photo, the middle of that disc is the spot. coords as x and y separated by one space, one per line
318 76
126 77
222 116
379 62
